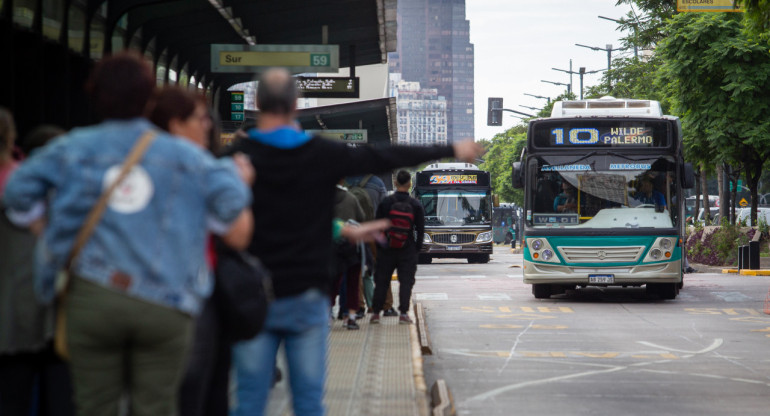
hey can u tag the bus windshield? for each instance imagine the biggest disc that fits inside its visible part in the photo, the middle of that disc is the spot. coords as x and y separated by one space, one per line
455 207
602 191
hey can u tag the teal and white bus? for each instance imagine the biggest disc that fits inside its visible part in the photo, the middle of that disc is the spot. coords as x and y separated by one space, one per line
604 203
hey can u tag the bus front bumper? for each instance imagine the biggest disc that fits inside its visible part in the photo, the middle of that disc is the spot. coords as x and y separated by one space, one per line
460 250
636 275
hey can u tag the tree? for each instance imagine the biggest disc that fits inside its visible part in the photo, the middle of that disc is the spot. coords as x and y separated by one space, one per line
758 15
717 77
504 149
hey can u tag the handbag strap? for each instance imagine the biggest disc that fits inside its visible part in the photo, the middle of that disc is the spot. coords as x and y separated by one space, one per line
96 212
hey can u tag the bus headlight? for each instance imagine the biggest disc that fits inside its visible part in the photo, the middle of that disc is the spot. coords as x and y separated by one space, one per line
661 249
665 244
537 245
484 237
426 238
547 254
655 254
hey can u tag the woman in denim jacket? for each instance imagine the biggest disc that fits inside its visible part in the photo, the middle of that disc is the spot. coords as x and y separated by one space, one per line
141 276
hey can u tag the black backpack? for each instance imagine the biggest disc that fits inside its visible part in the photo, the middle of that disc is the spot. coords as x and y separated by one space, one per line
243 292
401 216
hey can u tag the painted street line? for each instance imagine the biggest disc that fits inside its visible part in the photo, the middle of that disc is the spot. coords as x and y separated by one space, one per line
431 296
493 296
473 276
426 277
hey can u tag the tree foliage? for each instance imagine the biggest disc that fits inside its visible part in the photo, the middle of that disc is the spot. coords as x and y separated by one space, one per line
718 79
502 150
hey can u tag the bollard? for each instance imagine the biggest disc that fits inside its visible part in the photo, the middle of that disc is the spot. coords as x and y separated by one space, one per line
753 255
743 257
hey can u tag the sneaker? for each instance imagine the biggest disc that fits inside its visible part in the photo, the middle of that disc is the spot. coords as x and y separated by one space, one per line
360 313
375 319
390 312
405 319
351 324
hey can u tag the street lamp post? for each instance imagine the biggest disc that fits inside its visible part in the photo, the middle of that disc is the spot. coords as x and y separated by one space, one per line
608 48
634 26
569 87
540 96
531 108
582 72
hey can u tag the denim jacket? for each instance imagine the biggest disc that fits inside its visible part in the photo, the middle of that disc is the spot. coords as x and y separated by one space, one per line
150 241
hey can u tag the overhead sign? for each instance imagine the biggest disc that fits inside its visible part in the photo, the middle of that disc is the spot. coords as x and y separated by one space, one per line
354 136
328 87
706 6
295 58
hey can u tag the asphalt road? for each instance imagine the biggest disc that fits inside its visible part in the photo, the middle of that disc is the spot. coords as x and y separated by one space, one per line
595 351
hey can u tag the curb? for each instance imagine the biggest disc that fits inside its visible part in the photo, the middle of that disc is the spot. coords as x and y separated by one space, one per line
422 329
421 388
441 400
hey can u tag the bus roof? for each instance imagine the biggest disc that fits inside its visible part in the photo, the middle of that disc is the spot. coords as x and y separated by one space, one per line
607 106
451 166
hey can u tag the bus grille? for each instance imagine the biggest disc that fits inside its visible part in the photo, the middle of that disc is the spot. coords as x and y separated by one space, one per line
601 254
447 238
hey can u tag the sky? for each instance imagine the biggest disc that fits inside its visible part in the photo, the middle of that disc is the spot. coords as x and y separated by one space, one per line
517 42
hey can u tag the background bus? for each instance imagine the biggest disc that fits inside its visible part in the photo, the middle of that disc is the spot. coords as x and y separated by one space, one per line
504 223
457 199
604 203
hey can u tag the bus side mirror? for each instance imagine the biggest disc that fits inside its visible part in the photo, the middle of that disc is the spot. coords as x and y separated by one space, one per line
516 176
688 176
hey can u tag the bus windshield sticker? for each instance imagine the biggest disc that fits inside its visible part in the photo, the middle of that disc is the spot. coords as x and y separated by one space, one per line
564 168
453 179
630 166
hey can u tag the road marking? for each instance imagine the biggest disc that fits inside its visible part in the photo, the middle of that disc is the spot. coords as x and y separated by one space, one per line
723 311
514 276
473 276
546 309
512 326
714 345
431 296
426 277
493 296
753 319
732 296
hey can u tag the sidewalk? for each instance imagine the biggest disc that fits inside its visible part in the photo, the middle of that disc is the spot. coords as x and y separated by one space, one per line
376 370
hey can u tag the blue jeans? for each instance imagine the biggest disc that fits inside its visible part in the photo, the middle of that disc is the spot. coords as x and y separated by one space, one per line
302 323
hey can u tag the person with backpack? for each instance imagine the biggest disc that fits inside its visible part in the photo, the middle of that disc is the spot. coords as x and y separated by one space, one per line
404 240
348 257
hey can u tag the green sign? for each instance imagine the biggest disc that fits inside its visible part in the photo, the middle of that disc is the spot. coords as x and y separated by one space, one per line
295 58
348 136
236 116
236 96
236 107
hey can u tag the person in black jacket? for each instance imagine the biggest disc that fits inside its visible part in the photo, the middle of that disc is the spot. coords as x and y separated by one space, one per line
297 172
403 259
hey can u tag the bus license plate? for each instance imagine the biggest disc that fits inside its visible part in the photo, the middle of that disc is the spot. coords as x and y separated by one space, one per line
601 278
454 248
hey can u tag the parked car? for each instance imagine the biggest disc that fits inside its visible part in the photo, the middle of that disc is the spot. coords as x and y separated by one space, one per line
714 213
744 214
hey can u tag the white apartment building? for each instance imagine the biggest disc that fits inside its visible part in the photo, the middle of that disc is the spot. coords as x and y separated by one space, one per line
422 114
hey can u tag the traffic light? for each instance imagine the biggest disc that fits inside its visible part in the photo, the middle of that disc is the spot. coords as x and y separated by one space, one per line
494 111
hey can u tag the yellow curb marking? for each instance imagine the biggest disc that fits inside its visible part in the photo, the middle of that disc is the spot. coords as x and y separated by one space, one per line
726 311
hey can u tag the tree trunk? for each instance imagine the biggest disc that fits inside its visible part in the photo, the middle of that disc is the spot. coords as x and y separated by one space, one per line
753 182
723 204
696 209
705 194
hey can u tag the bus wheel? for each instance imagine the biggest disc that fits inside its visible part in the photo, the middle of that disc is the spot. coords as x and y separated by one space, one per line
541 291
423 259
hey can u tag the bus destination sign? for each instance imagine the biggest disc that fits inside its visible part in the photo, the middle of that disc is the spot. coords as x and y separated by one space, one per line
453 179
586 133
